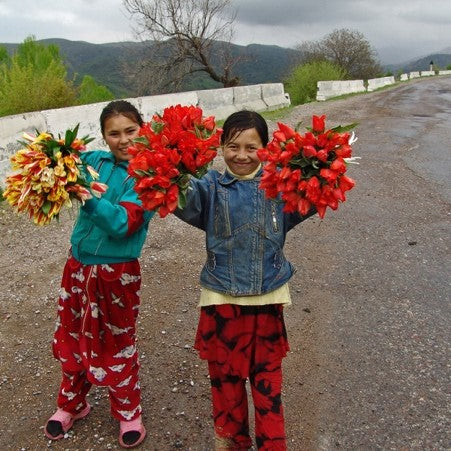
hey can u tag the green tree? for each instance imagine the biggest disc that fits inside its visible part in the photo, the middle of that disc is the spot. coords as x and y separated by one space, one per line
348 49
91 92
302 83
4 57
33 79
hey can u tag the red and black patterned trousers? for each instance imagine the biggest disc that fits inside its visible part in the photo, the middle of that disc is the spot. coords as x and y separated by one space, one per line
245 343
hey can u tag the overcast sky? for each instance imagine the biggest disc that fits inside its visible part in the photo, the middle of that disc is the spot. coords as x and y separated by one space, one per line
398 30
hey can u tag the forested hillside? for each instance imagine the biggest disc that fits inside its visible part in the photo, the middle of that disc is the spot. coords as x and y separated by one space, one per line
108 63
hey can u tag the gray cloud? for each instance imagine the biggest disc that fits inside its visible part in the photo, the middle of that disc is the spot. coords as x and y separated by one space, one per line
294 12
397 29
88 20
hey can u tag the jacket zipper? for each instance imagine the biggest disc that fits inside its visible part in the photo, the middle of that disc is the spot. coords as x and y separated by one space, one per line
92 225
274 218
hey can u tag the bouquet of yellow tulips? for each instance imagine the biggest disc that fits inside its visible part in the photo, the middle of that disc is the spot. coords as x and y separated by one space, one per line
49 173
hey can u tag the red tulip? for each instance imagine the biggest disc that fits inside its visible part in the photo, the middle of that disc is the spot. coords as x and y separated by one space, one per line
309 151
345 183
328 175
209 123
318 123
286 130
279 136
322 155
304 206
338 165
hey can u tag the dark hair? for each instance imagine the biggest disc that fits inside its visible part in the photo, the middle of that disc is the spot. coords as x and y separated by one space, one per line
120 107
244 120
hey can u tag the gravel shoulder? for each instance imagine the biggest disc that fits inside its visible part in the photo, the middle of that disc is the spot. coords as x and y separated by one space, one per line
368 328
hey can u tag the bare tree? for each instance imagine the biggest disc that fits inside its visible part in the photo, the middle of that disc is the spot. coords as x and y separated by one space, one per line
186 37
347 48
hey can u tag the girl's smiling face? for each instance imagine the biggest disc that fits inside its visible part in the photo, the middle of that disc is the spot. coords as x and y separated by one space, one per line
119 131
240 151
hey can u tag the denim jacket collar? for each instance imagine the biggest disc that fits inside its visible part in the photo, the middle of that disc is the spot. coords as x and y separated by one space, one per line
227 178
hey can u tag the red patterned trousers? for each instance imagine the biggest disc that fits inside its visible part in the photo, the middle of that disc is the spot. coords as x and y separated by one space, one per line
245 343
95 336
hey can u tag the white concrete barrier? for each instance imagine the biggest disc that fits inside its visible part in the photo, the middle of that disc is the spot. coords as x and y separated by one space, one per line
404 77
427 73
11 130
444 72
335 88
375 83
274 96
248 98
214 102
327 90
414 74
217 102
156 104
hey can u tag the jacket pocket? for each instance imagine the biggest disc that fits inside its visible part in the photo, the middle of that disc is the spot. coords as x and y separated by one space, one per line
211 261
279 259
222 218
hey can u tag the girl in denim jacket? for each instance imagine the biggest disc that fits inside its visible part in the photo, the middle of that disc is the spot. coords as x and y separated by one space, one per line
241 330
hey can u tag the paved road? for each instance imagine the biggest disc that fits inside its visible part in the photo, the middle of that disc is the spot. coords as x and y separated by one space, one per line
378 272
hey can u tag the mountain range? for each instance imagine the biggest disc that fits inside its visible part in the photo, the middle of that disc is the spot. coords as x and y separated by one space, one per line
441 59
257 63
106 62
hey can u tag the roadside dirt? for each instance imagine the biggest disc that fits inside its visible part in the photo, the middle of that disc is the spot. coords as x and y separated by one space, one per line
175 384
174 381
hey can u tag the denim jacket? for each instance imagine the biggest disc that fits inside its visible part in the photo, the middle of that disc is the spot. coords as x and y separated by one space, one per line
245 234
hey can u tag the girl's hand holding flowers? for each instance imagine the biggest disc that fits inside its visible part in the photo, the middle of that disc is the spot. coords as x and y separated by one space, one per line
49 173
308 170
170 149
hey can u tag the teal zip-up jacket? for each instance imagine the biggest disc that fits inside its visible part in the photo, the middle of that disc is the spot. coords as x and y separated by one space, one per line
111 229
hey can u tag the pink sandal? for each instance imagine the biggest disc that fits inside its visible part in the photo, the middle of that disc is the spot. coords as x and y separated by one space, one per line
61 421
131 433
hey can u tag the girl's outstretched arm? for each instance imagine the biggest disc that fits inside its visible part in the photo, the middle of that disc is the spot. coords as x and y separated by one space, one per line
120 219
296 218
197 202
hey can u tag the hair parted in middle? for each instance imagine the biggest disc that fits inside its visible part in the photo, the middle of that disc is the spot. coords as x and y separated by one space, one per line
244 120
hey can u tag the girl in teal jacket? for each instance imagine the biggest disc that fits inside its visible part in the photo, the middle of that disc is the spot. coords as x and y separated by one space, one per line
95 336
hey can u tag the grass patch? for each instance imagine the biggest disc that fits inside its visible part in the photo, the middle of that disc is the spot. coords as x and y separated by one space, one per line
277 114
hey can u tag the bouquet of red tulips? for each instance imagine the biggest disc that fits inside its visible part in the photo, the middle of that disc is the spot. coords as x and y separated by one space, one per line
308 169
171 148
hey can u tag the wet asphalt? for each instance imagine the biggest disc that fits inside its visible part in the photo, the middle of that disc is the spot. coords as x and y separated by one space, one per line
377 277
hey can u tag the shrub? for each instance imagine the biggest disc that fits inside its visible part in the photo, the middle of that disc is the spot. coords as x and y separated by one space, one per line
34 79
91 92
302 83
